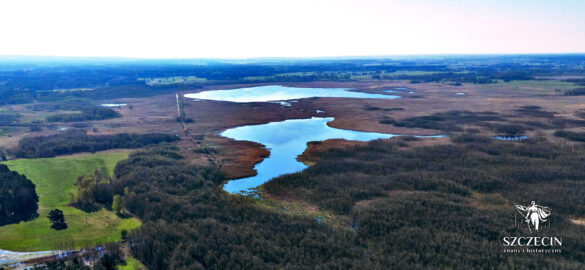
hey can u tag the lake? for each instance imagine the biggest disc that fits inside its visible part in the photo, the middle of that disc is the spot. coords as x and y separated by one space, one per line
510 137
286 140
113 104
278 93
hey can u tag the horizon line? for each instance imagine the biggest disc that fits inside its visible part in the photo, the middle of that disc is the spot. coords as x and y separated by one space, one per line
3 56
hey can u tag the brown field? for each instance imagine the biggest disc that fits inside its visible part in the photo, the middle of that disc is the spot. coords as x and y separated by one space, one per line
204 145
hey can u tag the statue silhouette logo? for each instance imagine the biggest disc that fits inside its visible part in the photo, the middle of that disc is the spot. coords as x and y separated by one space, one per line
535 217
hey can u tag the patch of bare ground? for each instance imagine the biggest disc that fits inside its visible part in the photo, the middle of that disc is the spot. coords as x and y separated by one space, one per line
389 194
11 141
289 204
578 221
292 200
191 154
488 201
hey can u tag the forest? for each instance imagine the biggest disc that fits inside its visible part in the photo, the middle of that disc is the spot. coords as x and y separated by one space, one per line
7 119
18 198
402 203
86 114
426 207
77 141
511 124
47 79
448 205
190 223
576 92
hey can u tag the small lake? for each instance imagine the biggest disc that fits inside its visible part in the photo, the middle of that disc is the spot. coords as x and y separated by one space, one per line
510 137
286 140
113 104
278 93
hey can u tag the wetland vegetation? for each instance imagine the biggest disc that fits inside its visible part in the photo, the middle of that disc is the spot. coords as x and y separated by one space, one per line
286 140
404 203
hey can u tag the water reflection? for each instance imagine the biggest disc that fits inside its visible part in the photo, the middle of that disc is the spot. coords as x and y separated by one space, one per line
279 93
286 140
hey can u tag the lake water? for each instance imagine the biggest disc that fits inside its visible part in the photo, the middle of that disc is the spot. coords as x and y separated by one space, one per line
286 140
278 93
113 104
10 257
510 137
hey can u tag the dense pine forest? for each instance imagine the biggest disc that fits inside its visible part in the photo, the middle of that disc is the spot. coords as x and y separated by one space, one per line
86 114
77 141
428 207
18 198
190 223
450 205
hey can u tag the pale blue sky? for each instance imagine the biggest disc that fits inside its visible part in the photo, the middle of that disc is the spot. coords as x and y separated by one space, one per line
299 28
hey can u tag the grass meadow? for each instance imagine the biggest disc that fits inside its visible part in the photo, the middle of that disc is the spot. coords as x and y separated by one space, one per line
54 179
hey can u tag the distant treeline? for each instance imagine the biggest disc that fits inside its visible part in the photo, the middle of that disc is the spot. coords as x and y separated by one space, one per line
66 104
18 198
576 92
86 114
77 141
447 121
578 81
456 121
28 82
8 118
477 77
571 135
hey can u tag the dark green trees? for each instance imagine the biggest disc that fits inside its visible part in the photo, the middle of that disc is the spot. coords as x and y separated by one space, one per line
116 204
77 141
18 198
86 114
58 219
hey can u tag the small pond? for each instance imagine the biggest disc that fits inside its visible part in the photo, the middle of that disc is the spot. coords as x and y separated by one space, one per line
510 137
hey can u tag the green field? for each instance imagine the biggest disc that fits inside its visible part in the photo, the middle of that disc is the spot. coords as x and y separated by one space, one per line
54 179
533 85
131 264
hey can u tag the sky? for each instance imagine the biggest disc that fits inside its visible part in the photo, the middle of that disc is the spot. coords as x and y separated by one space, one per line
289 28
